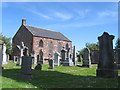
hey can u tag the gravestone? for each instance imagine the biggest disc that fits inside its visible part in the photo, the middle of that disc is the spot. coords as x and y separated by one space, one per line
32 55
26 66
86 58
94 56
50 61
39 61
78 58
68 61
63 55
74 55
3 55
51 64
15 59
56 59
41 57
21 47
107 64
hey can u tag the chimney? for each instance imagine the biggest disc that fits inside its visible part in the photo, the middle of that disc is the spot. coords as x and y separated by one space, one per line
23 21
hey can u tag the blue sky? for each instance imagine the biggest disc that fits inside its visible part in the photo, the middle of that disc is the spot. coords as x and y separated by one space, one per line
81 22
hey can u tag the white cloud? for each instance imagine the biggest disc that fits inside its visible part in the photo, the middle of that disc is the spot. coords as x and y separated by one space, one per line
107 13
82 13
62 16
40 14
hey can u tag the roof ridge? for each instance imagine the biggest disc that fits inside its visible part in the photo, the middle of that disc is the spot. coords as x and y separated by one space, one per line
41 28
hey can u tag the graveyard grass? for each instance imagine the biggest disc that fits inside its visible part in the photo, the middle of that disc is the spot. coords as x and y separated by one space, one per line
60 77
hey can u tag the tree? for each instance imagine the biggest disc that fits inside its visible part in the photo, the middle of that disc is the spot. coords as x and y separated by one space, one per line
117 43
8 43
91 46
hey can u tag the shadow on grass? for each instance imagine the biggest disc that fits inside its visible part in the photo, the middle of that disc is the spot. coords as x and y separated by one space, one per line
55 79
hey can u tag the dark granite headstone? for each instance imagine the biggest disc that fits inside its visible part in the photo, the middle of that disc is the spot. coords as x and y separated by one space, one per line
26 67
86 62
51 64
41 57
107 65
94 56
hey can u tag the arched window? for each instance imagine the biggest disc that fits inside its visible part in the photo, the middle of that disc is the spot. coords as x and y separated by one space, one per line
51 48
59 47
67 46
41 43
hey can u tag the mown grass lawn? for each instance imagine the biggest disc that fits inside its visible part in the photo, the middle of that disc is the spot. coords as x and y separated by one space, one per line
60 77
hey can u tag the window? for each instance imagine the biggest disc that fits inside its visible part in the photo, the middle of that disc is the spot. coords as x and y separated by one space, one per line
41 43
59 47
67 46
51 48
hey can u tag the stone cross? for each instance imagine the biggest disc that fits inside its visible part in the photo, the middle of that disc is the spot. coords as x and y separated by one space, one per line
21 47
107 64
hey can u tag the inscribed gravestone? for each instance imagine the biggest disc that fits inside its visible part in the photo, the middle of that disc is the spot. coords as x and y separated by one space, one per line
86 58
56 58
106 66
26 66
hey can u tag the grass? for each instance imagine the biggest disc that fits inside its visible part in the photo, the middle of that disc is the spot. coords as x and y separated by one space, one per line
60 77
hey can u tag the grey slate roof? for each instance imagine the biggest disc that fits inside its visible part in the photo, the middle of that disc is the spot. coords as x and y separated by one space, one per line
46 33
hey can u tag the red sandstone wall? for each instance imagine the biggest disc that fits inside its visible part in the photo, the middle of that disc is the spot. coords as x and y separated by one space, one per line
46 42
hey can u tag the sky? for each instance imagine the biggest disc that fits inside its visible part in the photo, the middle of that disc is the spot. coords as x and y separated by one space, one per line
81 22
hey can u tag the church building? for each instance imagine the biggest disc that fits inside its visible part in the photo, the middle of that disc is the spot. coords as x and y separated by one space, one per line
37 39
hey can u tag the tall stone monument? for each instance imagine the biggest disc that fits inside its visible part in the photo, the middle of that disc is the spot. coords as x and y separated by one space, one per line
86 58
107 65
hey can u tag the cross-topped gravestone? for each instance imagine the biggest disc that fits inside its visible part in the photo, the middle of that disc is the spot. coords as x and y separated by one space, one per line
21 47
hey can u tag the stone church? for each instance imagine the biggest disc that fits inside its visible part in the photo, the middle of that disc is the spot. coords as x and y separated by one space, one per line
38 39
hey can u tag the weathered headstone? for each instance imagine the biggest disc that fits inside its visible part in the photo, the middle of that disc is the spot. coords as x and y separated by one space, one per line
21 47
63 55
3 56
74 55
51 64
78 58
50 61
56 59
107 65
41 57
68 61
94 56
86 58
26 66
